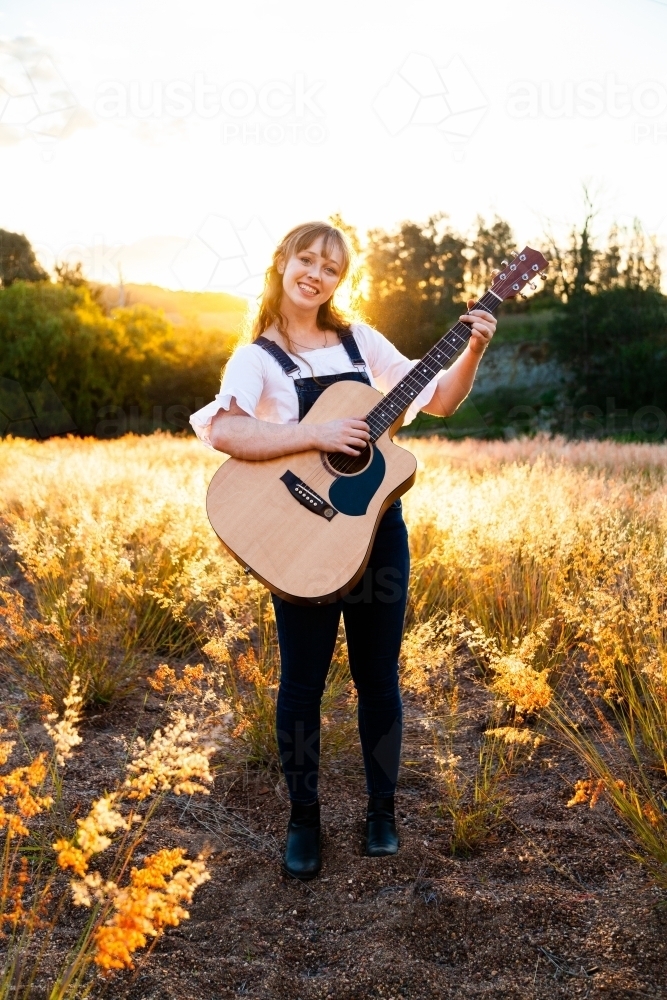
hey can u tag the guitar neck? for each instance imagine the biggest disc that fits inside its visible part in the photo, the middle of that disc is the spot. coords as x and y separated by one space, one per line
398 399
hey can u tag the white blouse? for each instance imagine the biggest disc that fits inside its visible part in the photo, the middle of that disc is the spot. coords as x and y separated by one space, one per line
264 391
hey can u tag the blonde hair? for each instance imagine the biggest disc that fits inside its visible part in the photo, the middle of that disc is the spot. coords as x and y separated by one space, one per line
329 315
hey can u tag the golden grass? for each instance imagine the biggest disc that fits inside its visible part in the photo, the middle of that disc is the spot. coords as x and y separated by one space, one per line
126 910
114 541
543 560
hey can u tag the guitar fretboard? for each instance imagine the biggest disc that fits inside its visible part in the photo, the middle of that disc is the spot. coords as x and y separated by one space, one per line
398 399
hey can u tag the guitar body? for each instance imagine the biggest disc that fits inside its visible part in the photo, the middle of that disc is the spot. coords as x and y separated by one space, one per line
300 526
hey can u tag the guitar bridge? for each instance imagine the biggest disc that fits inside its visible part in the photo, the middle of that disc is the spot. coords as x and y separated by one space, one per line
307 497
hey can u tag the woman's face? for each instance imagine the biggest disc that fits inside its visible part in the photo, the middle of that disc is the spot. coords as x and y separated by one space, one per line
309 278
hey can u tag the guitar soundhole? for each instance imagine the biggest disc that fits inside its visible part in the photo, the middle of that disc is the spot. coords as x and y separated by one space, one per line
347 465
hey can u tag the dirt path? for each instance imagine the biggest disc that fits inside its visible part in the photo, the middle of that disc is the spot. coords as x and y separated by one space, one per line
551 907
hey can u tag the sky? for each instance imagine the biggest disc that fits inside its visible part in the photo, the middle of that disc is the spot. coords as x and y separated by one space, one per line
176 142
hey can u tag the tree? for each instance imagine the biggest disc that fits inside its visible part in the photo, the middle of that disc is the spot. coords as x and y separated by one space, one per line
17 260
355 277
609 265
610 330
614 342
350 231
630 259
129 361
71 274
571 268
490 245
642 260
415 276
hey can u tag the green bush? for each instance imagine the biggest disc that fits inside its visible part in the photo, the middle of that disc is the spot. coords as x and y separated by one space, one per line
126 370
614 343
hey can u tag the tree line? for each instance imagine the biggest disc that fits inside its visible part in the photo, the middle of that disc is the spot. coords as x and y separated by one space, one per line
604 315
605 322
69 363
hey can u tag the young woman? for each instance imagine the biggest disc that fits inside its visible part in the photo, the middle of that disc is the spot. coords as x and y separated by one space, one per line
302 344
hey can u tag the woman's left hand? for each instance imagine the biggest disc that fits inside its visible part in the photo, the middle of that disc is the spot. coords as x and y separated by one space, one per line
483 325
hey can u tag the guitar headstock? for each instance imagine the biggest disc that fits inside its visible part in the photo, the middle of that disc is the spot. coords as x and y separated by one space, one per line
519 272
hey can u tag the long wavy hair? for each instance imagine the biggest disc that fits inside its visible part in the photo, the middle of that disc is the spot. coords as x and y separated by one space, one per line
329 315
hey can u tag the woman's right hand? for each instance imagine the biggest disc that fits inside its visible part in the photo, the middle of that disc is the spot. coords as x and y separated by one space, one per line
348 435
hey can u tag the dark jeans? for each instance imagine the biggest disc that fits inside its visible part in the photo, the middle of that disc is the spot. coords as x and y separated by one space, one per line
373 614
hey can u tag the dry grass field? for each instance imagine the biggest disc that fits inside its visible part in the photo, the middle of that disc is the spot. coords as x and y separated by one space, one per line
142 808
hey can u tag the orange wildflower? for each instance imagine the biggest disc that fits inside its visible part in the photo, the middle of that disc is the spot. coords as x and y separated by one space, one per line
70 856
511 735
6 747
91 834
14 896
18 784
651 814
519 684
241 727
150 903
63 731
165 679
169 762
587 790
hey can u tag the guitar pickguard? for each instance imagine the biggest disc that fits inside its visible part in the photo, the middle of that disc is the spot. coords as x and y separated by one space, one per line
352 494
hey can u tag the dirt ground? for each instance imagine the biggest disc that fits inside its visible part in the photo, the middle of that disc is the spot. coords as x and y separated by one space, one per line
552 906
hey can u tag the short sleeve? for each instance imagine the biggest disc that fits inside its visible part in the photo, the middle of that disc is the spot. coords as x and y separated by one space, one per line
388 366
243 380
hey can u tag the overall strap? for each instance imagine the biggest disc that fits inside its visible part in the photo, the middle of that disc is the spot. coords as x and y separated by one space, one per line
353 352
277 353
290 367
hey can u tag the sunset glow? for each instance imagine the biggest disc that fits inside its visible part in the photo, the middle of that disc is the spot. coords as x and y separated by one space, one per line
178 141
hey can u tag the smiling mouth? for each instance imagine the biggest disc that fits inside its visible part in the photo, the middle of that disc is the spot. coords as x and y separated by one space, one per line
307 289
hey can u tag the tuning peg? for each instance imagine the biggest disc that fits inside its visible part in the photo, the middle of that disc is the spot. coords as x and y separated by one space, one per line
505 263
543 276
533 285
495 272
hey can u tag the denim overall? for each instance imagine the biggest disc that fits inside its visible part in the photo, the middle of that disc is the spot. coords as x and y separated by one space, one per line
373 614
308 389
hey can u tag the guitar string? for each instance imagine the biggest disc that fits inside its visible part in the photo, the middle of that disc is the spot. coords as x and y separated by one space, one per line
321 475
379 417
459 330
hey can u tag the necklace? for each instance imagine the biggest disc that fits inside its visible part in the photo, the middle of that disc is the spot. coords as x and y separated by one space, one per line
305 348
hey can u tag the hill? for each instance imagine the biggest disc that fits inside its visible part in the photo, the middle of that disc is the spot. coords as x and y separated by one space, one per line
206 310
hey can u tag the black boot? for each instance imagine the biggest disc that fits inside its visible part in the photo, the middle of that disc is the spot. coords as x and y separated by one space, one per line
381 834
302 858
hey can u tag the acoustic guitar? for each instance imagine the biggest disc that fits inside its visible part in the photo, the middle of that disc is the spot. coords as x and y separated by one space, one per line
304 524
